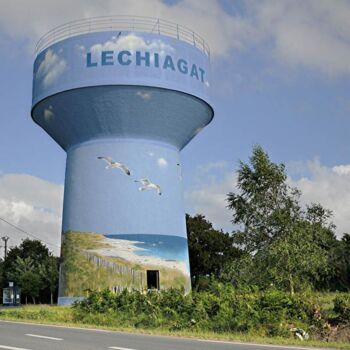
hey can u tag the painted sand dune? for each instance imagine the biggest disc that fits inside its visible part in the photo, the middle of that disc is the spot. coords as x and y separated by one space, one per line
94 261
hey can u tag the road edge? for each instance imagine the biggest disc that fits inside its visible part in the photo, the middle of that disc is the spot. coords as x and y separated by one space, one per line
233 342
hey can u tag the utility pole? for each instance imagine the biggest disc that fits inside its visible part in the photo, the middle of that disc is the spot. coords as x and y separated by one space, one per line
5 239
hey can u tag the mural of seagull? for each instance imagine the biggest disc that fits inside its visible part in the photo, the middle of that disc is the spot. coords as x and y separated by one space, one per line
146 184
111 164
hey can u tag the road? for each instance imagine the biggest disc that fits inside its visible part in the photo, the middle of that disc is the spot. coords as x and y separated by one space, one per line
25 336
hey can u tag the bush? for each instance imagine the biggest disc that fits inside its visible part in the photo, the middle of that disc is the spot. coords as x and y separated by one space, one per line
342 308
220 308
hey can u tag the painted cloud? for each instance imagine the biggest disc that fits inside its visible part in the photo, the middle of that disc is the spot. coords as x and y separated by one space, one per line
162 162
50 68
49 114
145 95
130 42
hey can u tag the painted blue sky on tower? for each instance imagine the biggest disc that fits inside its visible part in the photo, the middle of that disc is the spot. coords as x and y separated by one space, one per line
109 202
280 78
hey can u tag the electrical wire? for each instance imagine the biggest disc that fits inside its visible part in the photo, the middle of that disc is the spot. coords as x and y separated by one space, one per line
27 233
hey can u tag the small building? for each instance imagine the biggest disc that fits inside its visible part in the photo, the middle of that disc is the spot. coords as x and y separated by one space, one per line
11 296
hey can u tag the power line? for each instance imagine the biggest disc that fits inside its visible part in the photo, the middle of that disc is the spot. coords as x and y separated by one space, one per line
27 233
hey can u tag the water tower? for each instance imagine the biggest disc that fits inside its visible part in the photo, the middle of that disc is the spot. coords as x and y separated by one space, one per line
122 96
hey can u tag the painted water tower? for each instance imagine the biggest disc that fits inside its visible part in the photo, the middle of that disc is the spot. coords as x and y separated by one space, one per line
122 96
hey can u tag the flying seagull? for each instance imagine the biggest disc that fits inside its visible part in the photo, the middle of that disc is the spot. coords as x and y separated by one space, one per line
111 164
146 184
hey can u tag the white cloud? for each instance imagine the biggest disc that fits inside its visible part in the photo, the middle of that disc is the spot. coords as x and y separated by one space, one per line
51 67
313 34
342 169
328 186
209 199
19 18
32 204
212 166
162 163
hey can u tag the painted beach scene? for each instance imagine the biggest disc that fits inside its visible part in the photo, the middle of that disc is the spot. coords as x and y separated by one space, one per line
118 261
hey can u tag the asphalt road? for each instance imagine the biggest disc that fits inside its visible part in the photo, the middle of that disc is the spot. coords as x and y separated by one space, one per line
25 336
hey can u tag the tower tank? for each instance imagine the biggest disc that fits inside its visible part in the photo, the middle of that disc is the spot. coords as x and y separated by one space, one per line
122 96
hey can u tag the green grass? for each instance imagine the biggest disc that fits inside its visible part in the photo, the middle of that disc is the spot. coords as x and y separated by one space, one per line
58 315
79 273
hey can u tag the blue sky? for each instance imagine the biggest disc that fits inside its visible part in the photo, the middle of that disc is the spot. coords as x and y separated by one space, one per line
281 78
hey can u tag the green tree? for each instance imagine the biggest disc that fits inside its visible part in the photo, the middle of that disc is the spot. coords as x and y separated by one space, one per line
41 259
338 274
49 272
264 202
345 271
26 275
242 273
294 259
277 234
2 278
28 248
322 232
209 249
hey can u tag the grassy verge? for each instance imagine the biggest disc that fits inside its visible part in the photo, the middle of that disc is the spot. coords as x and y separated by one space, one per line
56 315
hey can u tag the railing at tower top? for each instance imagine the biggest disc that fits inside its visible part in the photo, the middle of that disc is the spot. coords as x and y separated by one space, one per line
122 23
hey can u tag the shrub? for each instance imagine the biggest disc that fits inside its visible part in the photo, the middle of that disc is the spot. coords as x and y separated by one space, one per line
342 307
220 308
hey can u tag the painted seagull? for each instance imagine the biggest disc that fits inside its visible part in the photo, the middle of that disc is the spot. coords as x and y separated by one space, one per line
111 164
146 184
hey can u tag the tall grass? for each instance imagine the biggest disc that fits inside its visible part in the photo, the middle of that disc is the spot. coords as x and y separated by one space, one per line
221 312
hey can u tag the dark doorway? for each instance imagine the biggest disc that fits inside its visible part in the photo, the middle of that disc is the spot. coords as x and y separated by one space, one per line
152 279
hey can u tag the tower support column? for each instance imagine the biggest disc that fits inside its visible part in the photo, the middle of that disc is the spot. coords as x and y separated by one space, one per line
118 239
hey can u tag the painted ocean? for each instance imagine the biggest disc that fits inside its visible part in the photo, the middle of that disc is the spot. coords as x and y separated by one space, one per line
162 246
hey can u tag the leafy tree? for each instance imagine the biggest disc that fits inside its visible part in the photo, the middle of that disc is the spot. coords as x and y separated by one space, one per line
26 275
322 232
49 272
287 245
209 249
293 258
28 248
345 242
41 265
2 277
264 203
338 274
242 273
